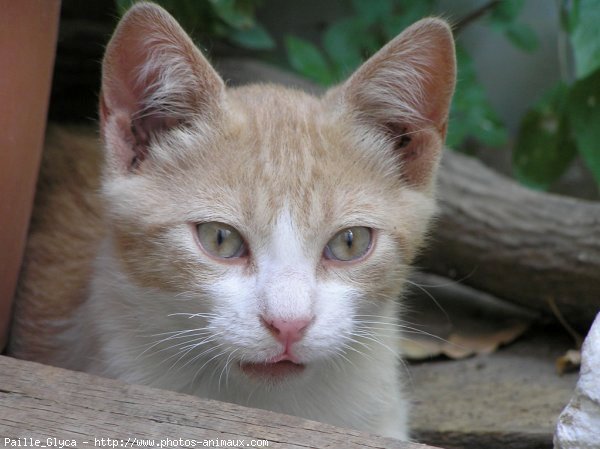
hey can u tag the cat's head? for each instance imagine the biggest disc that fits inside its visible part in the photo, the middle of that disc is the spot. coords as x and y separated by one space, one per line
286 222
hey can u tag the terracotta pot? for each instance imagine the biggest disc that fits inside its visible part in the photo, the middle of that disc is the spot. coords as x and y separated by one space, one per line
28 32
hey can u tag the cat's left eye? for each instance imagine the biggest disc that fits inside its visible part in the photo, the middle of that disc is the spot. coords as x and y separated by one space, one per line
221 240
349 244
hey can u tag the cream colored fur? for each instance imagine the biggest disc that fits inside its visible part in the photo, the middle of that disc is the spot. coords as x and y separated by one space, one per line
115 282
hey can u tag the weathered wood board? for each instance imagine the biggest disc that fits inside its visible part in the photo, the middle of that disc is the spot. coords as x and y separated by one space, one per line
61 407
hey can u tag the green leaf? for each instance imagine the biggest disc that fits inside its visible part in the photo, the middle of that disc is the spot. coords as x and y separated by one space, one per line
343 42
585 38
569 15
503 19
394 24
308 60
471 115
410 12
522 36
371 11
544 148
255 38
506 11
124 5
191 14
584 110
234 13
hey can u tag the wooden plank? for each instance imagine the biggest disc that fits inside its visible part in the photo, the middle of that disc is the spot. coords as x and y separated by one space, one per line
41 402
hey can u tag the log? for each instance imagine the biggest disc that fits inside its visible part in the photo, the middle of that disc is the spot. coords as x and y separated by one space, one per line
523 246
55 406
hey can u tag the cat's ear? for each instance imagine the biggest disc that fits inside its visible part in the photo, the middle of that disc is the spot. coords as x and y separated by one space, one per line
404 90
153 79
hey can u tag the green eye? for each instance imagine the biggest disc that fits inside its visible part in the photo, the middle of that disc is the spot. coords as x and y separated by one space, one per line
221 240
349 244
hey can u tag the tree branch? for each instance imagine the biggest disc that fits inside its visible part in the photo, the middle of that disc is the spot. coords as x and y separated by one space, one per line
474 15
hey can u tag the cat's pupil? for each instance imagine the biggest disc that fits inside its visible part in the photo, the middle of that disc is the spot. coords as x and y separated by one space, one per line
221 235
349 238
220 239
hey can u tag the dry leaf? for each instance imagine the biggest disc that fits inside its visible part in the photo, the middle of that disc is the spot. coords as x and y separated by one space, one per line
419 349
459 345
458 321
569 362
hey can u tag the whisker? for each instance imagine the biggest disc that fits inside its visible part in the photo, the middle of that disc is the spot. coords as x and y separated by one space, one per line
359 352
391 320
194 315
189 347
435 301
353 340
225 368
182 352
197 356
208 361
375 340
407 330
173 337
343 356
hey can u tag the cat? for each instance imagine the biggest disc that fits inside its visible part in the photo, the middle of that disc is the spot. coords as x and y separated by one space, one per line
243 244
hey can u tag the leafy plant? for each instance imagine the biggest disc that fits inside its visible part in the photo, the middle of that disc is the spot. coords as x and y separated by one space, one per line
566 122
544 148
230 20
503 17
350 40
472 117
563 124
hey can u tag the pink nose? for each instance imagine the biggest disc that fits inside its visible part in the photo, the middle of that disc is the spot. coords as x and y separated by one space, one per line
286 331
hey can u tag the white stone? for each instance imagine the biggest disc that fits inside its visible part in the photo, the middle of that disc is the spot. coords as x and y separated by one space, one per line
579 423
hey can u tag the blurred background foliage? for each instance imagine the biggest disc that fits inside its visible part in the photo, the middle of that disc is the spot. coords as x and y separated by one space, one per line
231 20
564 123
559 127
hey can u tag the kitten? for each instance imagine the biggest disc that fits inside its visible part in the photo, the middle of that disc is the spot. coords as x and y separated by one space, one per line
248 244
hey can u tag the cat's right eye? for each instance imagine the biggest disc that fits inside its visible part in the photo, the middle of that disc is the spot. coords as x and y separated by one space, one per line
349 244
221 240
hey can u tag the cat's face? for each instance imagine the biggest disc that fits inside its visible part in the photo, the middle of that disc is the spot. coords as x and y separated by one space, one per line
276 226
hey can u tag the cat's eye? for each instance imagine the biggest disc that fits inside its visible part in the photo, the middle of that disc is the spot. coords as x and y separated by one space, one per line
221 240
349 244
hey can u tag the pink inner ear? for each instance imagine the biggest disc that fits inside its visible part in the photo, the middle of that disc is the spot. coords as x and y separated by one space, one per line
401 135
126 91
420 156
405 90
153 79
144 128
418 148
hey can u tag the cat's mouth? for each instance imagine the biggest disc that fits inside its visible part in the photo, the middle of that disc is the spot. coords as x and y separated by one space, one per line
272 370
